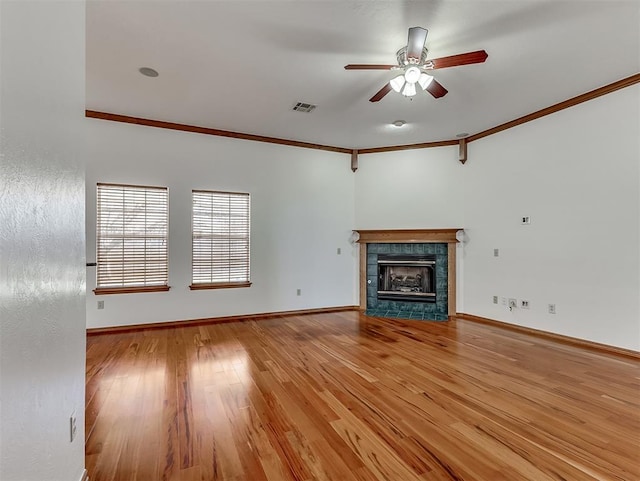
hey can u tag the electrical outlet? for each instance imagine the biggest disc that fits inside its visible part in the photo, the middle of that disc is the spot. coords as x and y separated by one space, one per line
298 292
525 220
552 308
73 429
496 252
495 299
100 304
524 304
513 303
503 301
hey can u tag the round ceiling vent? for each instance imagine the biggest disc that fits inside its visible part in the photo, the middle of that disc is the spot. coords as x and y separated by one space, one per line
148 72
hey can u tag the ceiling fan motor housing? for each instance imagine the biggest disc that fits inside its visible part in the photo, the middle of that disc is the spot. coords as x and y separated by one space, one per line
403 60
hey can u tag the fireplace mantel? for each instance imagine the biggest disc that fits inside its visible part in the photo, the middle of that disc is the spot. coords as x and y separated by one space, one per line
381 236
407 235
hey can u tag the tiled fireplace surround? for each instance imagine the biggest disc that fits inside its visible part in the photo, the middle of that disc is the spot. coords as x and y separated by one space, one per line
439 242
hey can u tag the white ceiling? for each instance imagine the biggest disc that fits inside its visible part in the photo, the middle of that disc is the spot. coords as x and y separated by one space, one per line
242 65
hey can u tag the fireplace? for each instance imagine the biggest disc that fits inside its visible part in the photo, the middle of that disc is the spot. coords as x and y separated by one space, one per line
424 289
407 277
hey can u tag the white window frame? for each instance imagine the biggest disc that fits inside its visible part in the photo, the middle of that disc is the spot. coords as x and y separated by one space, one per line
132 238
221 239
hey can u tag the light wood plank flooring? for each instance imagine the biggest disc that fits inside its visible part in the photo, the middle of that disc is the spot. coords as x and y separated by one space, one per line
347 397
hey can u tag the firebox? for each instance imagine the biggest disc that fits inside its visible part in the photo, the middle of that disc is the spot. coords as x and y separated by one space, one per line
407 277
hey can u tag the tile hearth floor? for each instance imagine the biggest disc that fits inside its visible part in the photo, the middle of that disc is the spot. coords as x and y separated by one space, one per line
421 316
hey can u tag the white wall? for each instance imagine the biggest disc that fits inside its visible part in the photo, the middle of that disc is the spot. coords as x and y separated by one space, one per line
42 274
301 213
575 173
411 189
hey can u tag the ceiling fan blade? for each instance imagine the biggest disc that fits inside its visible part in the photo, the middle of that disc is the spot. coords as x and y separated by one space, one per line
478 56
381 93
415 44
435 89
361 66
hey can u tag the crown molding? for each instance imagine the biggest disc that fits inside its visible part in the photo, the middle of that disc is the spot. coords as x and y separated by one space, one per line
593 94
208 131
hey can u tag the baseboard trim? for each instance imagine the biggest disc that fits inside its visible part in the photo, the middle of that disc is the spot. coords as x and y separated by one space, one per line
216 320
572 341
85 476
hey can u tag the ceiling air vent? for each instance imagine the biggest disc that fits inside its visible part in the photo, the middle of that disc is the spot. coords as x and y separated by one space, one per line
303 107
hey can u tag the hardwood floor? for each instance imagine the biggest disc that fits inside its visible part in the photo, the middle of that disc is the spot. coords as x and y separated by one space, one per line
343 396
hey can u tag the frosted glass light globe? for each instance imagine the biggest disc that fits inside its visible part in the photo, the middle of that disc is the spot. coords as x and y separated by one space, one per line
412 75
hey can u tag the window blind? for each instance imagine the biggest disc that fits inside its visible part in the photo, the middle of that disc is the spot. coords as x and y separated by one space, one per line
221 244
131 239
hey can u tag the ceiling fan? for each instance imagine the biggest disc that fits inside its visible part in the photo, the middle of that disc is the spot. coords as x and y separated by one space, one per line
413 67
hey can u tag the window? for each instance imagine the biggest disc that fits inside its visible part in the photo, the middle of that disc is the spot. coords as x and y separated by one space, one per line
220 242
131 239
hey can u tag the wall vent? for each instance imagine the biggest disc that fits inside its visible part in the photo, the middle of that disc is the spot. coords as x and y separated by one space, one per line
303 107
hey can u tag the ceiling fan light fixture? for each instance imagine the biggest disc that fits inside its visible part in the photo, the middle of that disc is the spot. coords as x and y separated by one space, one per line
424 80
409 89
412 75
397 83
